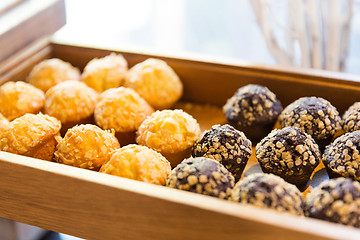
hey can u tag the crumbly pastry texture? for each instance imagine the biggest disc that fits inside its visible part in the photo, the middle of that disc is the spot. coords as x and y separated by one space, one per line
351 118
86 146
289 153
139 163
25 133
3 122
252 104
121 109
50 72
168 131
342 157
226 145
269 191
335 200
105 73
18 98
202 175
70 101
314 115
156 82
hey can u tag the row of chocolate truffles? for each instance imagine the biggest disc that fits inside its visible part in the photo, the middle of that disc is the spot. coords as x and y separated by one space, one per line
254 109
336 200
288 152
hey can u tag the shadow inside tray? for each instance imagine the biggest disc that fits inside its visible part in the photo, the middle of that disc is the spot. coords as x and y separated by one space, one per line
319 176
253 169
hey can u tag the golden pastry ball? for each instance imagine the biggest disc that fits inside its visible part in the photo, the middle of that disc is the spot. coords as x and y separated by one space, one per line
105 73
170 132
50 72
31 135
156 82
3 122
139 163
86 146
72 102
18 98
121 109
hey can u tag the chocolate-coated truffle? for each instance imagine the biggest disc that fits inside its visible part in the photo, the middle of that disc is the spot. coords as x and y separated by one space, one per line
202 175
227 145
342 158
268 191
351 118
253 109
314 115
335 200
289 153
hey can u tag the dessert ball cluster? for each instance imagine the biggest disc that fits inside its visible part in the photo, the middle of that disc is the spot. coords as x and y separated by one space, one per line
253 109
72 102
314 115
86 146
139 163
269 191
351 118
104 73
226 145
50 72
123 110
289 153
120 122
170 132
31 135
335 200
156 82
18 98
342 157
202 175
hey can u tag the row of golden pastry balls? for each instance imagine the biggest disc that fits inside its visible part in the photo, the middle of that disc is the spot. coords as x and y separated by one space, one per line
73 102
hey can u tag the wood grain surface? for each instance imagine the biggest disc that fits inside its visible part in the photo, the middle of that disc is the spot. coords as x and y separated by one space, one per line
27 22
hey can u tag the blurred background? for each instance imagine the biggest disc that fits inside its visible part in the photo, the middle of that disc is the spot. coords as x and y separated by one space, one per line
307 33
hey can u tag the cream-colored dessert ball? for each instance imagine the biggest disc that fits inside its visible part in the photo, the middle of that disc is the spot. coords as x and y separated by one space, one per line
156 82
18 98
121 109
170 132
139 163
104 73
31 135
71 102
50 72
86 146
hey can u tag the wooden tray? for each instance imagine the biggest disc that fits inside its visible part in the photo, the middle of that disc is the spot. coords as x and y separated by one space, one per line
92 205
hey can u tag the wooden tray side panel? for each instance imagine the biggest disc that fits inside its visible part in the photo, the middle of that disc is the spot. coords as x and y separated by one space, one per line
93 210
29 21
214 83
